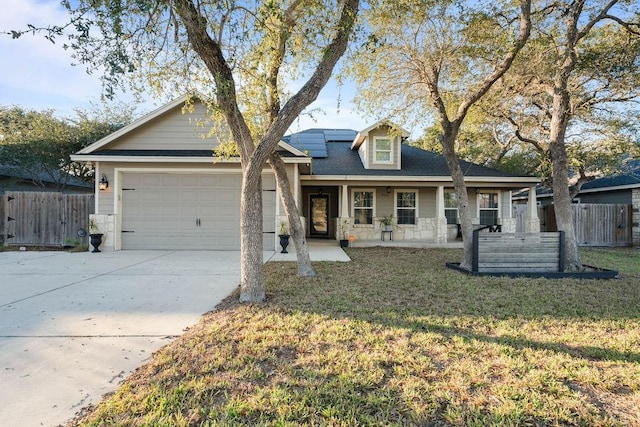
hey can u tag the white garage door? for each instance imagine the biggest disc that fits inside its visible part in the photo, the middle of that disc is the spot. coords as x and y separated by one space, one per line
187 211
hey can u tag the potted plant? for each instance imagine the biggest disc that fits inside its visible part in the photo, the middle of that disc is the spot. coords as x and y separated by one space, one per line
344 242
387 222
284 236
95 235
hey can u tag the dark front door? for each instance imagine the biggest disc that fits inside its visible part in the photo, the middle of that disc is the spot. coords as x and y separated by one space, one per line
319 206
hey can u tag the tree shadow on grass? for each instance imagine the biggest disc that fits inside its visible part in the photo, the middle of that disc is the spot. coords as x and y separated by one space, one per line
412 289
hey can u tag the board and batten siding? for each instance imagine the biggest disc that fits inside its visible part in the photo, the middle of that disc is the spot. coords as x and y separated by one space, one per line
173 130
370 155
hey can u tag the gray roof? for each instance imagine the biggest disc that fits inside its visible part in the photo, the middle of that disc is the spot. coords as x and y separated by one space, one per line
630 176
332 155
155 153
342 160
43 176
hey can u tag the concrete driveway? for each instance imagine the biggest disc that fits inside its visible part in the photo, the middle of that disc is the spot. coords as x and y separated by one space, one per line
73 325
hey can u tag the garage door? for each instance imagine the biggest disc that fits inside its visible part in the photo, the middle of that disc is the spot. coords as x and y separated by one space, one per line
187 211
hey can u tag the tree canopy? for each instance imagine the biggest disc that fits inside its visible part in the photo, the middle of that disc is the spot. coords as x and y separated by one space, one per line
444 59
39 142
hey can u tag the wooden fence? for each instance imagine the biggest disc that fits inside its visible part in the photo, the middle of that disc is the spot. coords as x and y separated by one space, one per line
595 224
45 218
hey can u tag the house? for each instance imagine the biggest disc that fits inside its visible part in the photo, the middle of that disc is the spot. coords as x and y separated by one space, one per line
14 178
163 188
622 188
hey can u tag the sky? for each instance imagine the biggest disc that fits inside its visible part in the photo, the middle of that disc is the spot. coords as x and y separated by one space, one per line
36 74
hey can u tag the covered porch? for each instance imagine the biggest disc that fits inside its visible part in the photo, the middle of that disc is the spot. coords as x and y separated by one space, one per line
420 214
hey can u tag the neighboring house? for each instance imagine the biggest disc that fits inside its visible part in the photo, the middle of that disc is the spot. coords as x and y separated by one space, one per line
14 178
167 191
620 188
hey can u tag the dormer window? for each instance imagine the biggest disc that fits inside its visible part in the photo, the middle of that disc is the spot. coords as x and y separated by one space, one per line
382 150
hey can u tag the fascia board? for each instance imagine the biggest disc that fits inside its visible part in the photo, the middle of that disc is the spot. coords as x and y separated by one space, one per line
383 178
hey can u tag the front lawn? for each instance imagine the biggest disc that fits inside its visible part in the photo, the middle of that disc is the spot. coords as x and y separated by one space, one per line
395 338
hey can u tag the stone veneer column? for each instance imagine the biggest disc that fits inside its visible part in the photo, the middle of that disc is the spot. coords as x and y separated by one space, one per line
342 227
107 226
440 231
533 222
635 216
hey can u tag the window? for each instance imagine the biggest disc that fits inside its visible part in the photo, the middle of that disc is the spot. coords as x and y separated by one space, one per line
488 208
363 206
451 207
382 150
406 202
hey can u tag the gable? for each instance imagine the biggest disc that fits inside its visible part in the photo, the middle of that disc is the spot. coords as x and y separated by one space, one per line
379 146
172 130
167 128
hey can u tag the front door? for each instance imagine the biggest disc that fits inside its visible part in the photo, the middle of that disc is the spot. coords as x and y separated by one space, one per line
319 206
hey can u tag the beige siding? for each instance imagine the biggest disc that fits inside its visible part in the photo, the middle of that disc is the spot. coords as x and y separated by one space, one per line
171 131
427 203
290 168
385 205
104 198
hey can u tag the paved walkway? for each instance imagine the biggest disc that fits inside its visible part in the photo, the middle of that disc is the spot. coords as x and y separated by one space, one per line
319 250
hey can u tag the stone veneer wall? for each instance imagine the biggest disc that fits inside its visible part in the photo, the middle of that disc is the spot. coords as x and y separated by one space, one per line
635 209
509 225
106 225
425 230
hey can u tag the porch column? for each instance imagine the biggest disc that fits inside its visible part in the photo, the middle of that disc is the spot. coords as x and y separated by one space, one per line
344 207
635 214
533 222
440 232
508 222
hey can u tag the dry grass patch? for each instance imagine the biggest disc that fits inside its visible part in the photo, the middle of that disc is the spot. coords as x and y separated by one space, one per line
395 338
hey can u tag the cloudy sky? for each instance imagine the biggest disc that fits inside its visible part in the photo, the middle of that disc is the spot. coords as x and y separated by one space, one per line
37 74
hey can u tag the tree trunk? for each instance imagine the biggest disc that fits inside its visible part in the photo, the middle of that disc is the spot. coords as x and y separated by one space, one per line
448 148
293 216
251 262
561 196
557 134
562 208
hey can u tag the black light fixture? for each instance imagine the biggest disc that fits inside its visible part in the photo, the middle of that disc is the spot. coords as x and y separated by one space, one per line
388 190
103 184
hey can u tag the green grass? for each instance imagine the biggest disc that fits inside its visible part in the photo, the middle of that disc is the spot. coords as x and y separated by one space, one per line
395 338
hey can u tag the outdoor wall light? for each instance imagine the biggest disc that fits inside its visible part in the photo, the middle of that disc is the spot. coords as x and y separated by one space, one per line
388 190
103 184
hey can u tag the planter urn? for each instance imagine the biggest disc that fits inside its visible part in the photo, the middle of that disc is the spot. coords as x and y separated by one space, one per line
284 242
96 241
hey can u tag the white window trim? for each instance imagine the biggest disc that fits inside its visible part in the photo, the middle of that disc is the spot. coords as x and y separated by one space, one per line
456 208
375 158
353 208
498 208
395 205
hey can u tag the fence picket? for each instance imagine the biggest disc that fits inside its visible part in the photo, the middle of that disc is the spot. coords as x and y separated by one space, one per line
595 224
45 218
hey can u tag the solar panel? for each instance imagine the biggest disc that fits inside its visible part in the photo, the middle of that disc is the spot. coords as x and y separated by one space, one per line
314 141
310 143
340 135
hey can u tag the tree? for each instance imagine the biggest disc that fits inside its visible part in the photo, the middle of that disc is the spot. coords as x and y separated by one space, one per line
238 53
445 59
564 96
41 144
